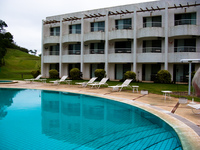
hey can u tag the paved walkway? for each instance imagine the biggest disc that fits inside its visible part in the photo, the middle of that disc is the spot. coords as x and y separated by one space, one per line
153 102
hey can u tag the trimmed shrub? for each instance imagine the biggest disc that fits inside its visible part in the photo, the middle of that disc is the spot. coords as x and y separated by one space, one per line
163 76
100 73
129 75
53 73
75 74
35 73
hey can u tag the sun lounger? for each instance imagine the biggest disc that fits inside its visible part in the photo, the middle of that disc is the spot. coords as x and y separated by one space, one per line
57 82
35 79
120 87
195 108
84 84
98 84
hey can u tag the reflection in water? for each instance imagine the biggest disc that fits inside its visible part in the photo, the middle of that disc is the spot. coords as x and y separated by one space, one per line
6 99
100 123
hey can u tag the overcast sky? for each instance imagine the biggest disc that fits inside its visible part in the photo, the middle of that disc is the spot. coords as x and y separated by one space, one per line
24 17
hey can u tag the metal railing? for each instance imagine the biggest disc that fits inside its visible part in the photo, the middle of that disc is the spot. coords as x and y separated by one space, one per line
185 22
54 33
122 50
152 24
152 50
75 31
96 29
74 52
123 26
96 51
185 49
53 53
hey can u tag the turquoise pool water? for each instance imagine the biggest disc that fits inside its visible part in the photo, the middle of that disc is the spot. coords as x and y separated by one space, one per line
39 119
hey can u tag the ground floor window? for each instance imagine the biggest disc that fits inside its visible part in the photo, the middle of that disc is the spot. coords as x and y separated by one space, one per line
93 67
71 66
149 71
120 69
181 72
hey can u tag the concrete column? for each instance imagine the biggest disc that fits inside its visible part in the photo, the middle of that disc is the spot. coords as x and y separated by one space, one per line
134 41
82 43
106 44
166 36
60 55
42 51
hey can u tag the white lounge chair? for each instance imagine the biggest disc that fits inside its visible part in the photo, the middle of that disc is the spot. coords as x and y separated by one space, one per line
120 87
98 84
84 84
57 82
195 108
35 79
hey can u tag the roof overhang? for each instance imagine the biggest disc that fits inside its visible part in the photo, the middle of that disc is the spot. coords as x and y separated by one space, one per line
190 60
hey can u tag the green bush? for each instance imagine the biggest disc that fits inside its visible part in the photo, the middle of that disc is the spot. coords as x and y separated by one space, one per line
53 73
129 75
100 73
75 74
163 76
35 73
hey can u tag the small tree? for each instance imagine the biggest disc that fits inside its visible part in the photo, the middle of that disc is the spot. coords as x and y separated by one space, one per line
75 74
53 73
100 73
129 75
163 76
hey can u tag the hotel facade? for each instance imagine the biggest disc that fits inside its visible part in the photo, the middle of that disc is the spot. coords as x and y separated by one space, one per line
143 38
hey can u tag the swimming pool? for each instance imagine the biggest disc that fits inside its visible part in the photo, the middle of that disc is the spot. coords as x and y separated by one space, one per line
39 119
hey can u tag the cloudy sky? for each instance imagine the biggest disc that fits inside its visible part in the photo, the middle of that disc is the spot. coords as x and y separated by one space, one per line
24 17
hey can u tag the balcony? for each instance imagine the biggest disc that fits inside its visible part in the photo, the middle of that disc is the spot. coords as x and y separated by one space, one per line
71 58
91 58
94 36
120 57
122 50
150 32
51 39
121 34
184 30
71 38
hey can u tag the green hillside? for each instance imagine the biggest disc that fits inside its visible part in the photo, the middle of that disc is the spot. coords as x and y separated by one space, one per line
18 65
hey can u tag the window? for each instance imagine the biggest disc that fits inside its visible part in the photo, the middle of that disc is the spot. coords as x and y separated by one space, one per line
54 66
75 49
54 50
123 47
75 29
55 31
98 26
155 21
185 45
97 48
123 24
152 46
184 19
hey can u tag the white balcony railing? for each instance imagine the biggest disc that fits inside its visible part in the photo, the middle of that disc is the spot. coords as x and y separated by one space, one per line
185 22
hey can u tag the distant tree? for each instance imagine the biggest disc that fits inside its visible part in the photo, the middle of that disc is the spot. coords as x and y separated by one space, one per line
2 25
3 42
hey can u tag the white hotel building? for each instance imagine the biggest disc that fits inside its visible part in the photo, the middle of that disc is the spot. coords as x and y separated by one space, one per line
143 38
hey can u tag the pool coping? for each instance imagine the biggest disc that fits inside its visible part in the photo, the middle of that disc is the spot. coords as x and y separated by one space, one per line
188 132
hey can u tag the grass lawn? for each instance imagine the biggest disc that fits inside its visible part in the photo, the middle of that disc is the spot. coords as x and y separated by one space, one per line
18 65
154 88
